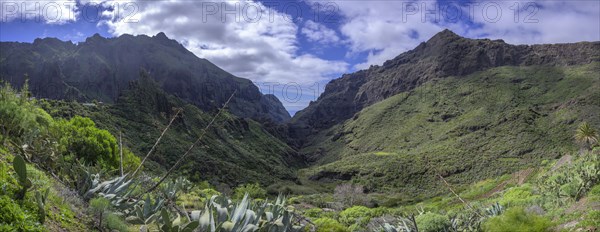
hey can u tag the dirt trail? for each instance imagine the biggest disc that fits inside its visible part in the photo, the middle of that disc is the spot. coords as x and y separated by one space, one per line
566 159
520 177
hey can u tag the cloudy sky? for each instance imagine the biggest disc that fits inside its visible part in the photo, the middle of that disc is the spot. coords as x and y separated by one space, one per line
293 48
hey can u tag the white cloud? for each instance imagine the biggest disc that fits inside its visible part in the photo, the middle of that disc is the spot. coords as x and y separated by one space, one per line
50 12
384 29
263 50
541 22
317 32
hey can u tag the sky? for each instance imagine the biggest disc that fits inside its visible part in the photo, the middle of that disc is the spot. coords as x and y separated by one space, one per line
292 48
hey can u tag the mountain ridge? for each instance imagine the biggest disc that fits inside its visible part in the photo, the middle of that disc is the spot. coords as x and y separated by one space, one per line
445 54
100 68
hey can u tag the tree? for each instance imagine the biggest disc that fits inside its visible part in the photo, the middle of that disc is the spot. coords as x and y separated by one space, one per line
586 136
349 194
253 190
80 137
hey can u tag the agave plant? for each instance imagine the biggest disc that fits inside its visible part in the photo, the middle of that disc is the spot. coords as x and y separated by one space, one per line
168 224
409 224
145 214
494 210
116 190
172 188
221 215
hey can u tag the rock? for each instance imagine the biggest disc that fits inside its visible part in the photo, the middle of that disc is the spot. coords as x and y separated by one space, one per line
445 54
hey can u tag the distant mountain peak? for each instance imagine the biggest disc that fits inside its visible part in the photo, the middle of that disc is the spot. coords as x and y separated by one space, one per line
95 37
161 36
101 68
444 37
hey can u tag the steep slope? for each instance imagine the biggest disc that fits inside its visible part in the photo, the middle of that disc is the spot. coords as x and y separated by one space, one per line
464 128
234 151
101 68
445 54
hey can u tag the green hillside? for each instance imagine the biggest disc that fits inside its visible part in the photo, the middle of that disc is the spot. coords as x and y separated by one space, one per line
234 151
464 128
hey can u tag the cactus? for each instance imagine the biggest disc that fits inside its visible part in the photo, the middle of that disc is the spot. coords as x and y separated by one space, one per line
21 170
41 202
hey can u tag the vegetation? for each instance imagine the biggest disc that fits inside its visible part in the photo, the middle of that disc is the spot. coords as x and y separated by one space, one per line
228 153
54 165
466 129
516 219
80 152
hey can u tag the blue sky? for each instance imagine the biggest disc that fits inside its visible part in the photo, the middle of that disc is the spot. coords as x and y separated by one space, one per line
295 47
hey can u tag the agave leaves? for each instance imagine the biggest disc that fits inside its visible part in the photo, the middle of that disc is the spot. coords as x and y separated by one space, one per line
172 188
146 214
116 190
175 225
220 214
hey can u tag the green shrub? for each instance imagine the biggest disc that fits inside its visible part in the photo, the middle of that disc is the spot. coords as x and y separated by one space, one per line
313 212
518 196
99 205
592 219
130 161
329 225
254 191
20 119
114 222
516 219
14 218
355 215
81 138
432 222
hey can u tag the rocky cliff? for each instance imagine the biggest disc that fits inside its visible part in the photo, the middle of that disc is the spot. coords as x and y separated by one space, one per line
445 54
101 68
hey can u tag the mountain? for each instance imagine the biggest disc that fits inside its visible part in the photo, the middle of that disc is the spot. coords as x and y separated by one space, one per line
101 69
445 54
454 107
235 150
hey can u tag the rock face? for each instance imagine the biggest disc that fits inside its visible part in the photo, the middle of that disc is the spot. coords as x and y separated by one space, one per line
445 54
101 68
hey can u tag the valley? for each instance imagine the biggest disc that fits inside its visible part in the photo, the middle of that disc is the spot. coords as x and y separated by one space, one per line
456 134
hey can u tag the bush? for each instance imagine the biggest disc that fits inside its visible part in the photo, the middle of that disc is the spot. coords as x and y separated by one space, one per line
130 161
14 218
516 219
254 191
592 219
20 119
313 212
114 222
329 225
359 216
432 222
81 138
98 205
518 196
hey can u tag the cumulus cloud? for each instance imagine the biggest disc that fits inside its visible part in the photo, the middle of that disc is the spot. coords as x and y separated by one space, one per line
317 32
245 38
50 12
384 29
539 22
